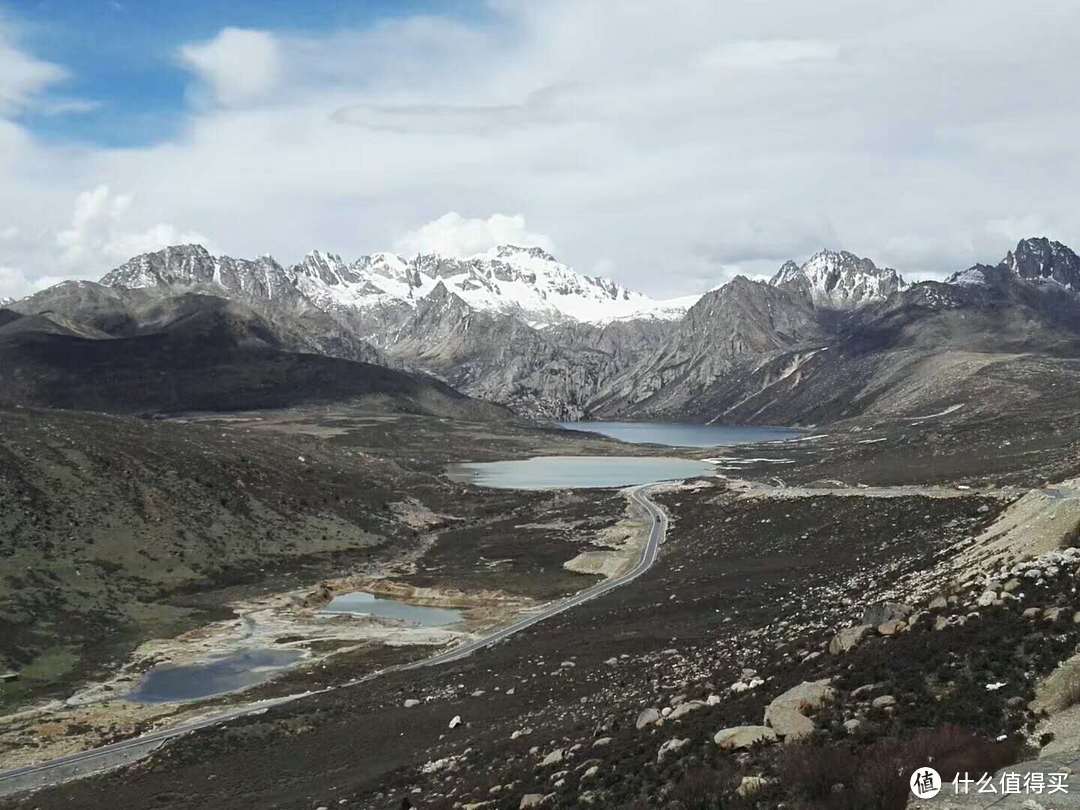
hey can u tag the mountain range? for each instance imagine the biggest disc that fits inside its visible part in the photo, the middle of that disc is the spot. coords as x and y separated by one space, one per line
835 336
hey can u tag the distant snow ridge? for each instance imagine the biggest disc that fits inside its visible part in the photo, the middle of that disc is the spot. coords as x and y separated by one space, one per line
525 281
839 280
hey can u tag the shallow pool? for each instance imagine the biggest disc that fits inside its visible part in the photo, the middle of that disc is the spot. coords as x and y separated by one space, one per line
168 683
368 604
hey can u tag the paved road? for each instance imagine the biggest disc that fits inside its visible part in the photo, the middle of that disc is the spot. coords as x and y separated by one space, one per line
122 753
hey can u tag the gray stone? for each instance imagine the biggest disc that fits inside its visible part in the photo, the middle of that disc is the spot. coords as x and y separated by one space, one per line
685 708
751 785
786 713
848 639
647 718
883 612
554 758
672 746
736 737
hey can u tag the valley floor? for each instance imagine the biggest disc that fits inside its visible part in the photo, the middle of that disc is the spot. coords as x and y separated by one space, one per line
762 567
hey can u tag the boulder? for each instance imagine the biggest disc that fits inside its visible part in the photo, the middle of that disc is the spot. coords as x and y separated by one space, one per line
736 737
786 714
554 758
849 638
647 718
986 599
939 602
883 612
672 746
789 724
410 702
685 708
891 628
751 785
455 721
532 800
883 702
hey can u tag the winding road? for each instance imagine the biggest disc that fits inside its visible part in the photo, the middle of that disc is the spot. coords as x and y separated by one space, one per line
121 753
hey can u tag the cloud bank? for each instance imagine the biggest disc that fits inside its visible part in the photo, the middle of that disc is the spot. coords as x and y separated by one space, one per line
670 149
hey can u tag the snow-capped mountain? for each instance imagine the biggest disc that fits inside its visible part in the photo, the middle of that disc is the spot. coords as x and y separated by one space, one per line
1039 261
838 280
5 301
523 281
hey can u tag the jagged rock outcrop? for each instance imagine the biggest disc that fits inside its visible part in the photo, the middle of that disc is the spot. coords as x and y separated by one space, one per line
838 280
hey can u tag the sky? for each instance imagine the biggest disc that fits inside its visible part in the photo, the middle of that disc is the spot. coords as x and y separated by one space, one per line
668 146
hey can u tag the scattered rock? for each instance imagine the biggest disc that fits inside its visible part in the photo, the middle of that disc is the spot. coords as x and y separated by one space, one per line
786 714
684 709
751 785
410 702
554 758
883 612
789 724
456 721
849 638
736 737
647 718
673 745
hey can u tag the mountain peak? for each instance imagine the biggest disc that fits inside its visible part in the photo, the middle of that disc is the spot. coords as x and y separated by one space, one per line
1040 259
838 280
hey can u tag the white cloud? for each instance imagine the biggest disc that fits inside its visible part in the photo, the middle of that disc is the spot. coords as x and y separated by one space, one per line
769 53
22 77
99 235
239 65
14 283
454 235
637 141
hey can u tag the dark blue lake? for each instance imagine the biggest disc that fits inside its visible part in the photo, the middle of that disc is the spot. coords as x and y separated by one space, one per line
685 435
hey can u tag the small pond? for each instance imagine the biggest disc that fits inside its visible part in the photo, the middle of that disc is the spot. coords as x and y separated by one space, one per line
362 603
577 472
168 683
685 435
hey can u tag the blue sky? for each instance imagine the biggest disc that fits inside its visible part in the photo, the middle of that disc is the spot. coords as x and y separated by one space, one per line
122 54
669 150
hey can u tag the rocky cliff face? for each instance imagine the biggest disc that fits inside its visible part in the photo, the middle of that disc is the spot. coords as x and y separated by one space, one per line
546 373
743 322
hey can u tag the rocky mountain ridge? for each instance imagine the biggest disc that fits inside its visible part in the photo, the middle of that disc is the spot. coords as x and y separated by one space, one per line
526 282
838 280
517 327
